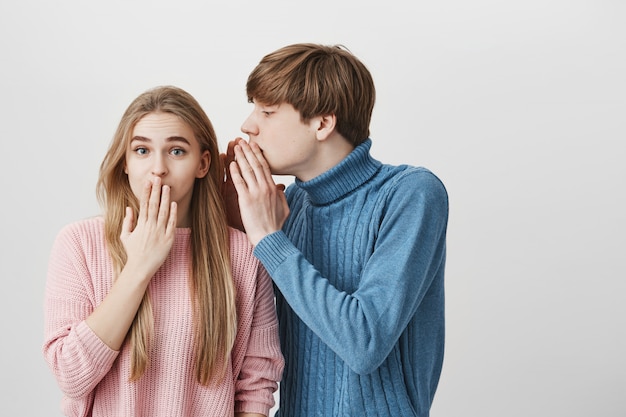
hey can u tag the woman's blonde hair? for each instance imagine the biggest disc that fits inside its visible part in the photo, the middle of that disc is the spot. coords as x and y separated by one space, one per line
210 285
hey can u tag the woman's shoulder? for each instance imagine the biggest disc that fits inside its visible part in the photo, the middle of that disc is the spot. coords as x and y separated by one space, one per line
245 266
91 226
240 246
80 237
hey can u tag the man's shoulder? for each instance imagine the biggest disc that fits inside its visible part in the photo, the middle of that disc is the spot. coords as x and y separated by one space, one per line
409 176
412 183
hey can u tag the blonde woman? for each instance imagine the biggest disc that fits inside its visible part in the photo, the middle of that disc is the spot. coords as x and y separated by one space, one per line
157 308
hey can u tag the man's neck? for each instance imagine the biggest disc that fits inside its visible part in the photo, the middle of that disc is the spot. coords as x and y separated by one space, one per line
331 152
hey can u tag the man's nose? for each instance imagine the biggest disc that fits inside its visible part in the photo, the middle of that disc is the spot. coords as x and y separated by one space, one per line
249 127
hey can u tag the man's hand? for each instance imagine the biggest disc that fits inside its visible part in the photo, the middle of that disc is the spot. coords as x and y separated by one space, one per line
262 204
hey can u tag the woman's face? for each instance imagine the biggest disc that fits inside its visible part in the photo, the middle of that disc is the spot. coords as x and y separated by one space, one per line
162 145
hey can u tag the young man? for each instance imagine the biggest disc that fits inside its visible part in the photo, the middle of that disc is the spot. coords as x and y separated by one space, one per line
356 248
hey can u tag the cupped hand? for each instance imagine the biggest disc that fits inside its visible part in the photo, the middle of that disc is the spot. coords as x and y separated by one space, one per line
148 240
262 204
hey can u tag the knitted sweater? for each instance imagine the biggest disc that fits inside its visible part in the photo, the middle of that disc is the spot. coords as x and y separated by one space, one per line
94 378
359 269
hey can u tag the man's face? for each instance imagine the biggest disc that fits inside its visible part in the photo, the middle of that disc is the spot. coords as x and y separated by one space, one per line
288 144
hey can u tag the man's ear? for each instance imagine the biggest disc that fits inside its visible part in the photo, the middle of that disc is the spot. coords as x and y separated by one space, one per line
205 164
325 126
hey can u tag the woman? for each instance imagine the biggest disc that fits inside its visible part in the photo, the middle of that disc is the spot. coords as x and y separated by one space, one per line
158 308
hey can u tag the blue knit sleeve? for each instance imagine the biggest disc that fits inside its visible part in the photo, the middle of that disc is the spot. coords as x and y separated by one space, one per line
408 257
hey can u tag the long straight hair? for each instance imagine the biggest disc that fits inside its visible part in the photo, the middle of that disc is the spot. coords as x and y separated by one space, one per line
210 285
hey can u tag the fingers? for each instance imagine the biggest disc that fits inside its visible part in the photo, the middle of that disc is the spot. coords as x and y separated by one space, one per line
148 240
237 179
154 202
128 223
253 167
230 150
155 205
260 159
226 159
163 201
143 201
244 169
173 218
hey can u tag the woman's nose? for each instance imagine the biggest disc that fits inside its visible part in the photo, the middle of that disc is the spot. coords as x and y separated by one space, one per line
160 167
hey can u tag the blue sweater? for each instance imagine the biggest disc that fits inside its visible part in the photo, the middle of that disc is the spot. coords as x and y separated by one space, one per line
359 273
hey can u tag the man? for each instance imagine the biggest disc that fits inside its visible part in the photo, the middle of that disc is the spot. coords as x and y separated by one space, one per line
356 248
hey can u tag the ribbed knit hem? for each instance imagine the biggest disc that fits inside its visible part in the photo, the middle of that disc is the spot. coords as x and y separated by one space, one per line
100 352
273 249
251 407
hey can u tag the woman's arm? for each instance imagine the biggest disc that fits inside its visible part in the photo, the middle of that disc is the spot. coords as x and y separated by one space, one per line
147 245
83 335
262 363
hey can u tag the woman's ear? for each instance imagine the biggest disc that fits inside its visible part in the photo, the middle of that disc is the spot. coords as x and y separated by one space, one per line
326 126
205 164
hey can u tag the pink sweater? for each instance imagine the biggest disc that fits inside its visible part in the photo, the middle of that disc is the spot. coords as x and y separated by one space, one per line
94 378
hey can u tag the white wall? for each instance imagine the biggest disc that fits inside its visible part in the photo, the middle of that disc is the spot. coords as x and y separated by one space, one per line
518 106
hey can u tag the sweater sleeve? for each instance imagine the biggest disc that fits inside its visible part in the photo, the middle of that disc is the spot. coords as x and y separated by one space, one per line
77 357
363 326
263 361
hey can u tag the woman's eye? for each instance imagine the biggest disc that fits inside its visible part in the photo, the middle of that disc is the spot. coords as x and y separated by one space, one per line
141 151
178 152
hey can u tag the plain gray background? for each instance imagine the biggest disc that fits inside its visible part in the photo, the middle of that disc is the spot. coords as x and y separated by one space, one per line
519 107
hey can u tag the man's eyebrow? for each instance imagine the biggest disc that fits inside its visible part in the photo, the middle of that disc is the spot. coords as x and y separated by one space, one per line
169 139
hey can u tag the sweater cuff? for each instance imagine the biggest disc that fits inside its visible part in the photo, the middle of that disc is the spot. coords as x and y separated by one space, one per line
273 249
100 352
252 407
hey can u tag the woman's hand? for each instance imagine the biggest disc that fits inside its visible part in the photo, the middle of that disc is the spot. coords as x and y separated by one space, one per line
148 242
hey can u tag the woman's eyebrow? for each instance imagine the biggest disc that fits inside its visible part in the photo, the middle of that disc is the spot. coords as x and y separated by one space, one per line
178 139
169 139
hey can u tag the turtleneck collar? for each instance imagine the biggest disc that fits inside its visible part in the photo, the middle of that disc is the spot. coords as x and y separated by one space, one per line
355 170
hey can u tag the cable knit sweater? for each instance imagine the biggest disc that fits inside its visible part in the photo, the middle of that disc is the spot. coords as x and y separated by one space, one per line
359 266
94 378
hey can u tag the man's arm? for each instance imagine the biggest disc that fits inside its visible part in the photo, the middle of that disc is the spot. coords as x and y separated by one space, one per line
402 276
361 326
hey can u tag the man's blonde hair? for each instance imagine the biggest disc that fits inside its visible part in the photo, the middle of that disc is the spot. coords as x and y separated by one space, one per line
317 80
